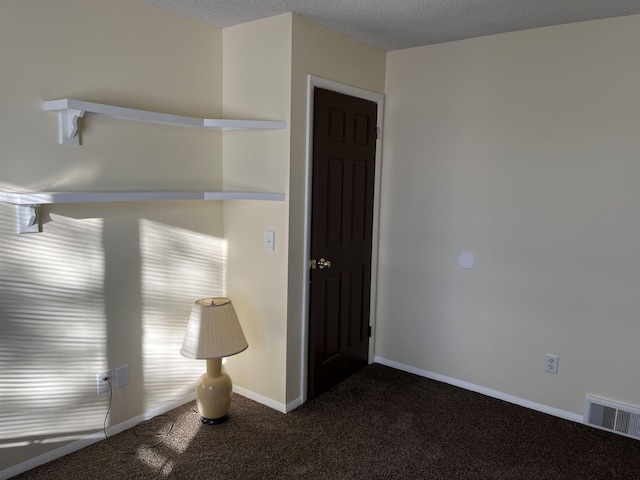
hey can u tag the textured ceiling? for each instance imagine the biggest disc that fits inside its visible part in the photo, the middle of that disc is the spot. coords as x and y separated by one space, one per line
396 24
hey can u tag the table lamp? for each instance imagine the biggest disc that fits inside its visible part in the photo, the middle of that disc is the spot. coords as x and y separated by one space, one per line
213 332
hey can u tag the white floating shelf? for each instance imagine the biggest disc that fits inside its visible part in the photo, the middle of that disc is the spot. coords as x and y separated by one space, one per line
44 198
70 110
27 204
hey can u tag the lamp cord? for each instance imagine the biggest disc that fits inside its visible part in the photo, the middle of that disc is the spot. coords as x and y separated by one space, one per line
165 434
104 424
158 443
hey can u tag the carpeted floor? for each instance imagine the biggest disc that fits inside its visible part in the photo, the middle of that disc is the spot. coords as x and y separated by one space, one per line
379 424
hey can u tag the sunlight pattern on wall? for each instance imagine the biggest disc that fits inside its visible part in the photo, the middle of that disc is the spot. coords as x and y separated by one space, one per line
178 267
52 325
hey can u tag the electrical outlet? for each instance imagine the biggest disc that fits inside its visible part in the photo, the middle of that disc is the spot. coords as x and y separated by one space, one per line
551 364
102 384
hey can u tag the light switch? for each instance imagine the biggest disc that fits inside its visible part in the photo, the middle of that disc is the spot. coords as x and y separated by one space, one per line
269 240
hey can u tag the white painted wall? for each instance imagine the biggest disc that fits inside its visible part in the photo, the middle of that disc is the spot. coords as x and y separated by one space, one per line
104 285
522 148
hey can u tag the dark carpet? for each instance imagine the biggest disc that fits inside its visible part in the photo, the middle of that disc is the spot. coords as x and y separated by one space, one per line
379 424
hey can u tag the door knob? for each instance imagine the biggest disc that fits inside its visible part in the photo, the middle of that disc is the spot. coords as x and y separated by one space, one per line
322 263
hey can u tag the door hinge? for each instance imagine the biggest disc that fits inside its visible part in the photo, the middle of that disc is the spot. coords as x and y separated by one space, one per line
378 132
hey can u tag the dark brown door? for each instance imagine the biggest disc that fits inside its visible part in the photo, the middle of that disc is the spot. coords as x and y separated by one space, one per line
344 149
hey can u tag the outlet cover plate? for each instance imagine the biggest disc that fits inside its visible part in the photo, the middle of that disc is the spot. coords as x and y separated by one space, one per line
551 363
102 386
122 376
269 240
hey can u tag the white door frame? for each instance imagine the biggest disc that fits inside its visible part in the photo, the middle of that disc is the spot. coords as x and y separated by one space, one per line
378 98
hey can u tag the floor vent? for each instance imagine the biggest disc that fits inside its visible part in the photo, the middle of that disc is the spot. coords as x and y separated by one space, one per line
614 417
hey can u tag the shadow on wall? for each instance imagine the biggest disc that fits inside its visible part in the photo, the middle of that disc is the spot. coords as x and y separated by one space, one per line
58 324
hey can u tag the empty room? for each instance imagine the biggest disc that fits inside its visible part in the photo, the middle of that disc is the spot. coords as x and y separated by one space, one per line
402 234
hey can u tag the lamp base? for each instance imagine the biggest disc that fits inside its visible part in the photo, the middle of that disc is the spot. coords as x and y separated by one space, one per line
213 393
214 421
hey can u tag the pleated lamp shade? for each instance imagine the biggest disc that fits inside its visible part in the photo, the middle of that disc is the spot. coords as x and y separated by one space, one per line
213 330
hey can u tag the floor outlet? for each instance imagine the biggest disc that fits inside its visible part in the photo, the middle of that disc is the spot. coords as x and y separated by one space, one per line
551 364
102 384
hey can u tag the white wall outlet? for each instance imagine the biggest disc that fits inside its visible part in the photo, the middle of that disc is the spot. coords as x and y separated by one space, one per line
551 363
122 376
102 384
269 240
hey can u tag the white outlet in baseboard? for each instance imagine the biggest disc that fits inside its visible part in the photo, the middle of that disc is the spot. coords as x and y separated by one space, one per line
551 363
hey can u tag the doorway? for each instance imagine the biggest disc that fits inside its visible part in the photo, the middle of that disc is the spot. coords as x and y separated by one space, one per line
344 181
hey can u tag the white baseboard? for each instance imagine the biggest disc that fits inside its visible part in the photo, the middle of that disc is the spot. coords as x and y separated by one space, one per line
93 438
281 407
556 412
294 404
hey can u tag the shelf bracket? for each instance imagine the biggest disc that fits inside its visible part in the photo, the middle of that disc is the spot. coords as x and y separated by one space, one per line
28 219
68 133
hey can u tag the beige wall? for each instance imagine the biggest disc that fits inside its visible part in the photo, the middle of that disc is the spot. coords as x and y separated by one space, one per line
519 147
113 283
522 148
265 70
318 51
256 78
105 284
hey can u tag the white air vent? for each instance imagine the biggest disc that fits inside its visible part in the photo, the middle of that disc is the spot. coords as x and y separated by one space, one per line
614 417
